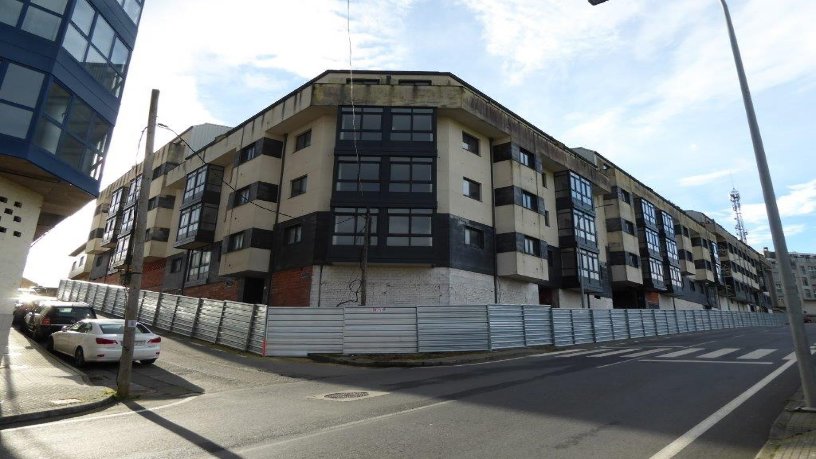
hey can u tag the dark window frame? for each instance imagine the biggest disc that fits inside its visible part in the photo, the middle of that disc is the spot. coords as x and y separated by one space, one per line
293 234
471 189
473 237
348 226
298 186
416 219
470 143
303 140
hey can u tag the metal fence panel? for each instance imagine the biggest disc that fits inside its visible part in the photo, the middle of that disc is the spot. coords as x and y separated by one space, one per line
602 323
649 325
699 320
209 320
371 330
582 325
147 307
235 324
166 310
61 288
257 333
661 322
537 325
620 325
562 327
671 319
506 326
452 328
682 323
89 297
118 304
635 318
303 331
186 310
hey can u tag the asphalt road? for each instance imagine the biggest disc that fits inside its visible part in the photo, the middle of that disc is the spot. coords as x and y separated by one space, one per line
712 394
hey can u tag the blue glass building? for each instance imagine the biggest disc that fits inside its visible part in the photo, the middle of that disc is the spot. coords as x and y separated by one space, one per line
63 65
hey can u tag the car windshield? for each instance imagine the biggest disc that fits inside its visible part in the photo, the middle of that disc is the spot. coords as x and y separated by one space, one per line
70 312
119 329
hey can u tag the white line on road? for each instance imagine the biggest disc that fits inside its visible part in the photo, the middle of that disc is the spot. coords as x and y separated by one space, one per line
718 353
96 418
707 361
584 352
620 351
687 438
690 350
651 351
757 354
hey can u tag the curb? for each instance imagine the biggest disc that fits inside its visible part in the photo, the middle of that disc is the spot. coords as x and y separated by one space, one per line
344 360
777 436
64 411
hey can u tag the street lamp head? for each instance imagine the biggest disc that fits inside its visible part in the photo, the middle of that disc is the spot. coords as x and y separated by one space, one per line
596 2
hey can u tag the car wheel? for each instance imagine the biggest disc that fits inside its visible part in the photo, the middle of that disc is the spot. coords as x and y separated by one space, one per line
37 334
79 357
148 361
49 344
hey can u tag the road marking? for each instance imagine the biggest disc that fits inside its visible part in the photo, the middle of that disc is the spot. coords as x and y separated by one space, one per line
620 351
651 351
681 353
707 361
584 352
757 354
673 448
96 418
718 353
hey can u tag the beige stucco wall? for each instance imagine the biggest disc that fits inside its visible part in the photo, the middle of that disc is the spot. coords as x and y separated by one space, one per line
14 249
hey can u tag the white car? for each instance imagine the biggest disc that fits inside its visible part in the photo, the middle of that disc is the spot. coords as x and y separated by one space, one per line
100 340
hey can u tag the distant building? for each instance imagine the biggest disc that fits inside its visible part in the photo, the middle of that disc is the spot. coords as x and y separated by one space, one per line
63 65
804 271
463 202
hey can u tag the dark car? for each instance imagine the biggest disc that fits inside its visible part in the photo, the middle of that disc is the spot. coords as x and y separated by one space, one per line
51 316
21 309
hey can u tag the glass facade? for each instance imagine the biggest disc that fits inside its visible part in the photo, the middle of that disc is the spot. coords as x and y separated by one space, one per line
38 17
20 89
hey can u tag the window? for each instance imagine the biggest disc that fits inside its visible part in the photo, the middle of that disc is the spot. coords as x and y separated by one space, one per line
632 260
655 270
358 176
198 265
804 281
110 229
303 140
248 153
236 242
676 278
628 226
581 189
529 201
588 265
133 8
298 186
70 130
241 197
526 158
544 179
648 212
624 196
652 240
188 222
19 93
671 251
293 234
474 237
471 189
411 175
412 124
808 293
39 17
531 246
350 226
116 201
668 224
175 265
410 227
134 190
196 181
470 143
92 41
584 224
120 254
361 123
128 219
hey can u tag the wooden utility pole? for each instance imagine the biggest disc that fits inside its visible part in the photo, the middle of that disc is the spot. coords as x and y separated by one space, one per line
137 256
364 275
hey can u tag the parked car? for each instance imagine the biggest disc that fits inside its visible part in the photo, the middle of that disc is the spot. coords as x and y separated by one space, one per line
21 309
50 316
100 340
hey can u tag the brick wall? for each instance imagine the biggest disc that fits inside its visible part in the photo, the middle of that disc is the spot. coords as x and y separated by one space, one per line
291 287
110 279
153 275
223 290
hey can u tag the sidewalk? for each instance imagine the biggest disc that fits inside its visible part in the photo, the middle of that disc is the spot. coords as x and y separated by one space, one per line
793 435
36 385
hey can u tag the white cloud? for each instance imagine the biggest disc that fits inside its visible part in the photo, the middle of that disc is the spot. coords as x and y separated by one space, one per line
702 179
799 201
761 236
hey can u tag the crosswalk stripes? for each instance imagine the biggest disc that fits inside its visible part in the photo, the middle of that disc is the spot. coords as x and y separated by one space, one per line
584 352
607 354
649 352
680 353
731 354
757 354
718 353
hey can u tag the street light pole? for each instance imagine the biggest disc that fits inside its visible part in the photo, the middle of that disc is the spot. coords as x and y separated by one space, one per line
794 306
800 340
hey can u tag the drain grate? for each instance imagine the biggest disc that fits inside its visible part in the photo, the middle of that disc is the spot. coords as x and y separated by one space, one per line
345 395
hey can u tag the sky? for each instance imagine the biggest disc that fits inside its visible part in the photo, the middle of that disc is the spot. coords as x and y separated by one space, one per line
650 85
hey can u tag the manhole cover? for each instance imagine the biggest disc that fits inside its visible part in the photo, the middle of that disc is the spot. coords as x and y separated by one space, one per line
345 395
348 395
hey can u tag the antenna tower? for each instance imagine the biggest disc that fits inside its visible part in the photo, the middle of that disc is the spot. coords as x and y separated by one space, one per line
742 233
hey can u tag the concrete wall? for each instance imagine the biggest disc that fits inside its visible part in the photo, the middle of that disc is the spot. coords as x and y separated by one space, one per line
21 204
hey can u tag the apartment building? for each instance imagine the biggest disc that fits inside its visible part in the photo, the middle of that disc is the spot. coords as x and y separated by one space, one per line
63 66
459 199
804 271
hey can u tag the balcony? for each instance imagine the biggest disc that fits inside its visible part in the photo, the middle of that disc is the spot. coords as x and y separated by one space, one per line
111 232
196 226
